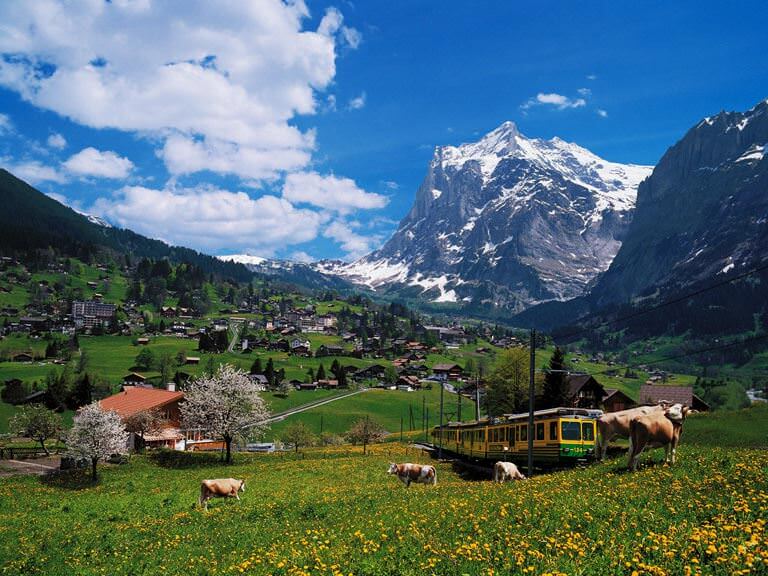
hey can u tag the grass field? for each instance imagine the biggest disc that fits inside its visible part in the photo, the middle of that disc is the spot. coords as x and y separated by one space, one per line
385 406
337 512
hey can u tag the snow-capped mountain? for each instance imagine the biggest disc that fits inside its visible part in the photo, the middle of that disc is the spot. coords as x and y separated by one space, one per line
507 221
300 273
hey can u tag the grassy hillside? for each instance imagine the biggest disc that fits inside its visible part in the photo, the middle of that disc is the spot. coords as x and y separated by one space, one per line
384 406
338 512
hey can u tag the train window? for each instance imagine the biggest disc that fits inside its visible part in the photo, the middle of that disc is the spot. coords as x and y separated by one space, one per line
588 431
570 431
524 432
553 430
540 431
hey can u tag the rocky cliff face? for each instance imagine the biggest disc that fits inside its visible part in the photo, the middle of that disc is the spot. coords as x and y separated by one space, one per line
505 222
702 214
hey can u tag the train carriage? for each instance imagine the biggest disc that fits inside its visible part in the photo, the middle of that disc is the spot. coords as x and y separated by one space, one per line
560 436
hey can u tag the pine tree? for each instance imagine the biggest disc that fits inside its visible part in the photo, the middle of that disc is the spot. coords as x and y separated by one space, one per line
256 367
555 382
321 372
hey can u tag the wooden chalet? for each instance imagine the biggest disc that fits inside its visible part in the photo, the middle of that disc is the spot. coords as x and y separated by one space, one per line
584 391
615 400
448 371
655 393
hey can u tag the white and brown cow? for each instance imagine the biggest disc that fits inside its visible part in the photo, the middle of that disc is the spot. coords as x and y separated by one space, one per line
506 471
613 424
417 473
656 430
220 488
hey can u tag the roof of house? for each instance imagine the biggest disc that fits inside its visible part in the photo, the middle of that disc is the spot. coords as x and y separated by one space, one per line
134 399
445 367
654 393
577 381
134 376
610 393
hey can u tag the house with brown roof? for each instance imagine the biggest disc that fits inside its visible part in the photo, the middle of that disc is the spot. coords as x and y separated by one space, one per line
615 400
448 371
135 399
655 393
584 391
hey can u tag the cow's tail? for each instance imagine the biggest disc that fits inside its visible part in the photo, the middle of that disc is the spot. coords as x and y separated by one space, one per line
434 476
201 499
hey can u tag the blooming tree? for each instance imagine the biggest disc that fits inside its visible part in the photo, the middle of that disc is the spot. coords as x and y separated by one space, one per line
96 434
38 423
143 423
226 405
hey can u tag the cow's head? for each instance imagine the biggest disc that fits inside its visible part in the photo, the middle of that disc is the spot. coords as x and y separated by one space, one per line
392 468
677 413
242 486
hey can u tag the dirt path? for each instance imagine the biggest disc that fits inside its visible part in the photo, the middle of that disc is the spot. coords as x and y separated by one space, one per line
38 466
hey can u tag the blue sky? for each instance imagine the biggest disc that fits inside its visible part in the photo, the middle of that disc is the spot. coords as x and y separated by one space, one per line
303 131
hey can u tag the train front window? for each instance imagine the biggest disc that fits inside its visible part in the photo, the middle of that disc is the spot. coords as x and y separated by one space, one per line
553 430
570 431
587 431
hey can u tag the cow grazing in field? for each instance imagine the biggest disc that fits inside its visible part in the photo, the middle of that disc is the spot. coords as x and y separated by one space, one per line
615 424
506 471
220 488
418 473
655 430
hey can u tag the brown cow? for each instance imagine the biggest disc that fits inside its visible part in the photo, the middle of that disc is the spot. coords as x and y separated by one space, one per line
220 488
503 471
614 424
418 473
656 430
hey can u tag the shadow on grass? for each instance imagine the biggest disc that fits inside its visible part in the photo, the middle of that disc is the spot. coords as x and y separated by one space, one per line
69 479
178 459
471 472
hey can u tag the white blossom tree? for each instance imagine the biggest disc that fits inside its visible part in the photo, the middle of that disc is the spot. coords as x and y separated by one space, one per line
226 405
96 434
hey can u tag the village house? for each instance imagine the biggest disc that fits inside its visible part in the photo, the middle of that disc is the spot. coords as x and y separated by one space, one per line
584 391
615 400
89 313
134 379
653 394
300 347
135 399
445 372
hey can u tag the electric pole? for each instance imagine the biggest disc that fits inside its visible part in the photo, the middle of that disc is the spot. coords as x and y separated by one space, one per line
440 449
530 403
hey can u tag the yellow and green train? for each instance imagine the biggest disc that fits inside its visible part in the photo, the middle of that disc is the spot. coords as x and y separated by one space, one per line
560 436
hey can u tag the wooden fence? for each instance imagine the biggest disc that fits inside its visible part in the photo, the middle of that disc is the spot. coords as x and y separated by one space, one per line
11 453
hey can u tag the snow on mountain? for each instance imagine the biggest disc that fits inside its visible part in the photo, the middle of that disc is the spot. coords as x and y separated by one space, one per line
243 259
505 221
97 220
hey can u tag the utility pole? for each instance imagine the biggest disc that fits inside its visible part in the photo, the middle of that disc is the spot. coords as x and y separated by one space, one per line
458 408
530 403
424 416
477 398
440 449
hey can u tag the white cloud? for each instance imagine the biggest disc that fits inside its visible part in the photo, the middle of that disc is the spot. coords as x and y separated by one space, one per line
210 218
220 81
552 99
602 113
591 77
358 102
331 192
355 245
391 185
32 171
586 92
102 164
5 124
57 141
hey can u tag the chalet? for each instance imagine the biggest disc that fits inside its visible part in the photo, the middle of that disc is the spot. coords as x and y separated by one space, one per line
447 371
192 360
168 311
328 384
22 357
281 345
300 347
653 394
133 379
142 341
259 379
584 391
307 386
329 350
134 400
615 400
369 373
412 382
36 323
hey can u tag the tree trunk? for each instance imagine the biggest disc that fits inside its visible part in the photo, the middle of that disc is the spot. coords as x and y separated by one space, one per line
93 468
228 442
45 449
